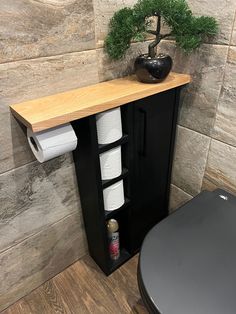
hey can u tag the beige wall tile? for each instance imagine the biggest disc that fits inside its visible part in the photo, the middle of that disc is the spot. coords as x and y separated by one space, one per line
225 124
221 167
35 196
177 198
23 80
190 160
199 100
40 257
31 29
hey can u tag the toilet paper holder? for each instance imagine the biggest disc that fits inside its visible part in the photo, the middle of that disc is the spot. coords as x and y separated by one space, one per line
53 142
33 143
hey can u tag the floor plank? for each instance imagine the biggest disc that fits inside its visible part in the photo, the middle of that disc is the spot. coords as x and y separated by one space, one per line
82 288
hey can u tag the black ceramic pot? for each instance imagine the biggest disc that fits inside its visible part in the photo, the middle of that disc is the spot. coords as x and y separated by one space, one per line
152 70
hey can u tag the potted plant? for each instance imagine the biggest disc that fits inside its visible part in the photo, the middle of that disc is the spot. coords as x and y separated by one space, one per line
133 23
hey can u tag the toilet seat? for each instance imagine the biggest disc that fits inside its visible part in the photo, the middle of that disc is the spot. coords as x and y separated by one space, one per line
187 263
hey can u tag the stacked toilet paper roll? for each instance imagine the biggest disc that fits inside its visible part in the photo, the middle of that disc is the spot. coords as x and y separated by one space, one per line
114 196
109 130
110 163
53 142
109 127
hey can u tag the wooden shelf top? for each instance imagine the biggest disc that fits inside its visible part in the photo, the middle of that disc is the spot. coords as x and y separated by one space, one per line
47 112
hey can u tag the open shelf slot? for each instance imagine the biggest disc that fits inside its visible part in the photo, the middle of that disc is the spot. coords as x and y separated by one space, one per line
110 214
124 256
106 183
105 147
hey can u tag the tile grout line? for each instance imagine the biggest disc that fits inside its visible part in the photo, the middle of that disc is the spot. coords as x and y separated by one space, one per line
182 189
87 50
210 136
48 56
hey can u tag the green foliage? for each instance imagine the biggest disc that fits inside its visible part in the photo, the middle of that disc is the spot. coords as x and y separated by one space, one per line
131 24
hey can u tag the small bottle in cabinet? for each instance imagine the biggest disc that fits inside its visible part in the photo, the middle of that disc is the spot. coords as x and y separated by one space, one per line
113 239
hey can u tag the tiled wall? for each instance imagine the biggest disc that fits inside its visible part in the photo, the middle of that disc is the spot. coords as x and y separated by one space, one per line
48 46
205 156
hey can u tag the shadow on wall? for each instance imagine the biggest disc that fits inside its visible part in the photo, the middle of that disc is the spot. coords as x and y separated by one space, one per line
21 152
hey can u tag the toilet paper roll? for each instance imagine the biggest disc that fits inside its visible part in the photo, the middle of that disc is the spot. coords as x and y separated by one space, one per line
114 196
53 142
109 127
110 163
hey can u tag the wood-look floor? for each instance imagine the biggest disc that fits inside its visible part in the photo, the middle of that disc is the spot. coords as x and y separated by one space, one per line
83 288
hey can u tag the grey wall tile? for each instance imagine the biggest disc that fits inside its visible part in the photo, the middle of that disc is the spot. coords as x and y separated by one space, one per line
34 78
225 124
31 29
221 167
199 100
35 196
23 80
177 198
40 257
223 11
190 160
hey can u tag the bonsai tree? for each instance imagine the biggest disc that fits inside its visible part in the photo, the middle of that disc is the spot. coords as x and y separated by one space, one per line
132 23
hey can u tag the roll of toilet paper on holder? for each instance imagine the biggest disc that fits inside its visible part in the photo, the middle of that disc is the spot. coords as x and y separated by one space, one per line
114 196
53 142
109 126
110 163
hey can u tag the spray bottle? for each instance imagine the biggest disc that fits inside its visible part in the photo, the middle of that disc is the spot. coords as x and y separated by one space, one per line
113 238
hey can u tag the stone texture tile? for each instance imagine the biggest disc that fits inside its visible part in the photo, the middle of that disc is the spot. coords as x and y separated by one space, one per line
31 29
30 79
104 10
233 36
225 124
35 196
221 167
190 160
23 80
109 69
222 11
177 198
199 100
40 257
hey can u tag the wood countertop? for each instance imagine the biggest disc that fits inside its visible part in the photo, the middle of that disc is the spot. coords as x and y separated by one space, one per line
47 112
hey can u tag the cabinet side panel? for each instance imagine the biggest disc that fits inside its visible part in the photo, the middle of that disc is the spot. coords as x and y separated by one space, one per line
86 159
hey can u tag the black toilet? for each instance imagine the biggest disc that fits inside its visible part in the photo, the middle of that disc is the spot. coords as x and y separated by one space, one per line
187 263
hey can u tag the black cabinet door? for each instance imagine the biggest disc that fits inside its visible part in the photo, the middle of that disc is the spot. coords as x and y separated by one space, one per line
154 127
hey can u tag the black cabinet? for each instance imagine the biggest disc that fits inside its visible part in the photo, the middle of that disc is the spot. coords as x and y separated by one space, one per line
147 149
153 130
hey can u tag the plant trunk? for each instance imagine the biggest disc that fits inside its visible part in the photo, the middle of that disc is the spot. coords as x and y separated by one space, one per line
152 45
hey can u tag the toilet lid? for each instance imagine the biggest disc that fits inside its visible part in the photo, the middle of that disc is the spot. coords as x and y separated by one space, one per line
188 261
